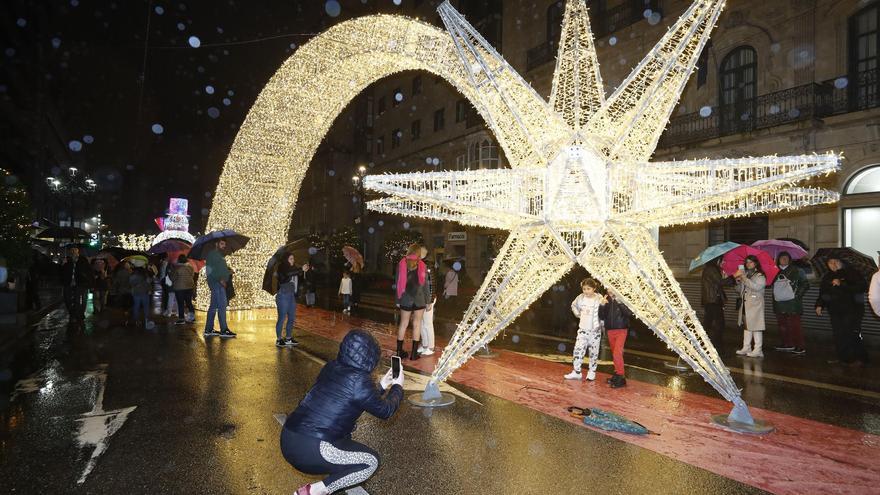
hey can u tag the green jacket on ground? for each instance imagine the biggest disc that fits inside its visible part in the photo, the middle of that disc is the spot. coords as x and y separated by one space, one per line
216 268
799 284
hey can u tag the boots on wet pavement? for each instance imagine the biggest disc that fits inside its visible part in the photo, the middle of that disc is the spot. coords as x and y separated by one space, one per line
747 343
757 352
415 350
400 352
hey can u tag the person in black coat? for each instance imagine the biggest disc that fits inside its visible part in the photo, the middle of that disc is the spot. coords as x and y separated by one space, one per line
615 316
316 438
712 296
76 279
842 293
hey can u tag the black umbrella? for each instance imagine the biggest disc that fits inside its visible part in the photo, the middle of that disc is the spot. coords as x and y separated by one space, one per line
857 260
272 267
799 242
63 233
234 242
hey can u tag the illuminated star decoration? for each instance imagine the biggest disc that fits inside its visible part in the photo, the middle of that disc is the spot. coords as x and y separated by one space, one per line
581 189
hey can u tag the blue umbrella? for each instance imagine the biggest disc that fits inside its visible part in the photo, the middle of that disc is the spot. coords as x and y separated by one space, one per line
234 242
712 252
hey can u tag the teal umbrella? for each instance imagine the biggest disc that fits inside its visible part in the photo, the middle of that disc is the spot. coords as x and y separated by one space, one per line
712 252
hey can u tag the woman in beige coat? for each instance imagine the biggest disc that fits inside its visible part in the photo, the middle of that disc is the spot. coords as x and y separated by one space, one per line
750 284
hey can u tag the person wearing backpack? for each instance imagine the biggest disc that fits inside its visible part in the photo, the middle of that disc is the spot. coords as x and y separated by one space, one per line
789 288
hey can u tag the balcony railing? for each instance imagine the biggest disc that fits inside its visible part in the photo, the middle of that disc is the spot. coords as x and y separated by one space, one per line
810 101
602 22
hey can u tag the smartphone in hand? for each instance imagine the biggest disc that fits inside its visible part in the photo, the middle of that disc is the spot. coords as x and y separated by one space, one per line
395 366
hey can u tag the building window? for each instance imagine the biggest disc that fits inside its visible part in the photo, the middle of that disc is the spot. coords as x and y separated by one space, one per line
439 120
461 162
745 230
555 13
395 138
380 108
738 89
861 220
703 65
417 85
864 51
380 145
396 97
488 154
416 129
460 110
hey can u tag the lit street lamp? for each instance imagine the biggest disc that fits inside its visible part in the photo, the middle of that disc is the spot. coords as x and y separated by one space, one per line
72 184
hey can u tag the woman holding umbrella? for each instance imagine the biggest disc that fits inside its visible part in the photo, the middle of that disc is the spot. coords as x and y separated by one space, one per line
750 283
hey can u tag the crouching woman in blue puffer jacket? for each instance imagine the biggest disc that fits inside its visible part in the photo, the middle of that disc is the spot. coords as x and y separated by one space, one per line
316 438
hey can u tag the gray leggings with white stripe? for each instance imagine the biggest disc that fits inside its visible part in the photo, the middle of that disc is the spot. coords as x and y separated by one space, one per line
347 462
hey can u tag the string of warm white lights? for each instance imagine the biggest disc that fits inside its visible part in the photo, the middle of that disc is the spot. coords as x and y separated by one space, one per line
596 200
134 242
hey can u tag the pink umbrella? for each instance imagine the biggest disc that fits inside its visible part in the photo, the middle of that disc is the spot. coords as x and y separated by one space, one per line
775 246
735 258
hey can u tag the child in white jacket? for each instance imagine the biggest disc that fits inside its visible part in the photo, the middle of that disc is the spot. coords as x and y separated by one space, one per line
586 308
345 292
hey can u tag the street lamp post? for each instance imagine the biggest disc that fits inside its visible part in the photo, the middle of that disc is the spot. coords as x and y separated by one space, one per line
73 184
357 181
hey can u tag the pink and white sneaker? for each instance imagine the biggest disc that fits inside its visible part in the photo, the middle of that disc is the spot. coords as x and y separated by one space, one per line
304 490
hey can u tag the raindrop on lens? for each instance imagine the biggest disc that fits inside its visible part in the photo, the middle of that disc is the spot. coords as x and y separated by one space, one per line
428 160
381 223
159 10
456 266
515 339
209 90
227 101
213 112
398 96
405 225
230 93
435 161
88 139
371 230
194 41
331 173
561 347
181 26
21 22
56 42
654 19
612 40
332 8
74 145
397 2
705 111
841 82
157 129
312 250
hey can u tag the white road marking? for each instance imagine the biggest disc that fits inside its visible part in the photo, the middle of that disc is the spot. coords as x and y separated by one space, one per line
356 491
97 426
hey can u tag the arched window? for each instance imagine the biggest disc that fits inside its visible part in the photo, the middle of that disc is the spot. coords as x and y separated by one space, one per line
555 13
864 55
738 89
861 211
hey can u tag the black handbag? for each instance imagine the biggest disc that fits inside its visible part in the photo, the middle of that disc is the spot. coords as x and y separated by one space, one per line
230 289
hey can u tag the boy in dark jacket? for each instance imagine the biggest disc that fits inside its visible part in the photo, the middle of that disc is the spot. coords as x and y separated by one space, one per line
616 316
316 438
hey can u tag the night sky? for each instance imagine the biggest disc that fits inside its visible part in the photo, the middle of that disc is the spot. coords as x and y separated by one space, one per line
79 64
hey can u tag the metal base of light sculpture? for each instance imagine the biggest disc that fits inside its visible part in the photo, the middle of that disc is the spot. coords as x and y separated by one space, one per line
486 353
677 366
740 420
432 397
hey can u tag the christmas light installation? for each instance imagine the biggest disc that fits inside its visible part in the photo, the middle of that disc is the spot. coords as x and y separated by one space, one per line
581 189
175 223
580 150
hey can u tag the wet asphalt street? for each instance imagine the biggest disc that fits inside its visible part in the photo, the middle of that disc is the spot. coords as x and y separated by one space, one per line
112 409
